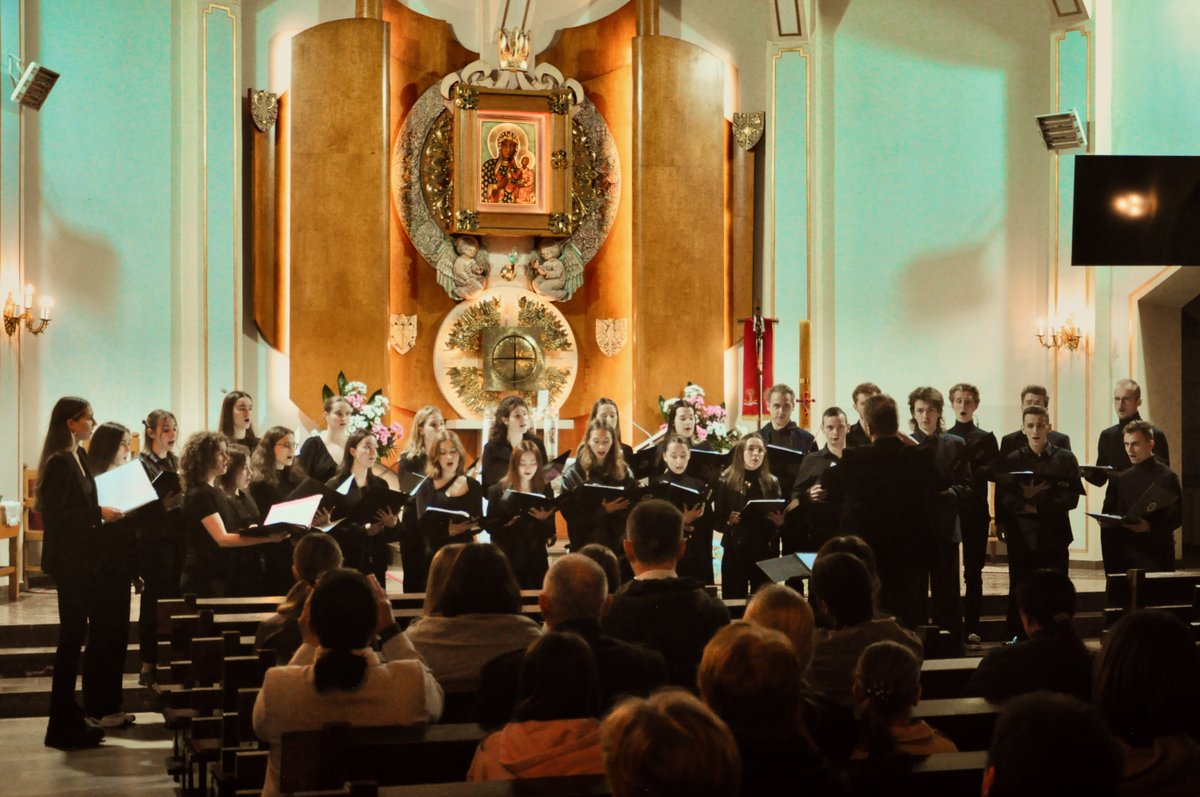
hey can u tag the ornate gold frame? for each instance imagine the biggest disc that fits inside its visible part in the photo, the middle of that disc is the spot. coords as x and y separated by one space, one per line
554 162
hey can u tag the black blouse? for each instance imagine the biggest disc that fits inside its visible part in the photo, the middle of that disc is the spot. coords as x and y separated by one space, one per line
314 457
497 455
433 526
205 558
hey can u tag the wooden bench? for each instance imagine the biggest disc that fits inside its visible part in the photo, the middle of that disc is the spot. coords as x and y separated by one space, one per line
967 721
1175 592
946 678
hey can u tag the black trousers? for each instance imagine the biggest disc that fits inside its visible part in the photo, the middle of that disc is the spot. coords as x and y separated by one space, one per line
902 581
1022 561
945 601
974 555
158 565
92 608
739 574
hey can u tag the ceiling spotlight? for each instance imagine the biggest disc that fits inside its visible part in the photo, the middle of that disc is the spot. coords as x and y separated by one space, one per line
1062 130
34 84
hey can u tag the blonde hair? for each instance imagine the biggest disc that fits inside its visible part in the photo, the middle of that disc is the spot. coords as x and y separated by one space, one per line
432 469
783 609
416 440
613 464
748 676
439 573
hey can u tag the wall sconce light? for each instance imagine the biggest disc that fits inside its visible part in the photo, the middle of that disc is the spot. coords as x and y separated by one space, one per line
1064 336
15 314
1062 130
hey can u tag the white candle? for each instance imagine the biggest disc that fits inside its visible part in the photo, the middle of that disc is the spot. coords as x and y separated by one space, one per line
47 303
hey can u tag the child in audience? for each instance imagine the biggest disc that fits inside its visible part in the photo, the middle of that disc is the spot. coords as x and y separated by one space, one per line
314 556
887 687
554 731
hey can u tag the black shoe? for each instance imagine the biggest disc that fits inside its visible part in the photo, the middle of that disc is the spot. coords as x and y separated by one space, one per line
77 735
147 677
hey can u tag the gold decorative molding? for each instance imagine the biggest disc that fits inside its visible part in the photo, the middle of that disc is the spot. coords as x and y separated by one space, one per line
466 96
560 223
466 220
437 170
748 128
560 101
558 159
264 109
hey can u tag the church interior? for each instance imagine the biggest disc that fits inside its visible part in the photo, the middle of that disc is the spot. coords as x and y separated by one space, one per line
414 203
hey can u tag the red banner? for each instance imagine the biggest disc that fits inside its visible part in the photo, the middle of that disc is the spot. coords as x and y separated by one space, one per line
751 400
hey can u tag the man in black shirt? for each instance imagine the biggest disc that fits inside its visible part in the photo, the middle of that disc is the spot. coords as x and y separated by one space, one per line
819 517
1110 452
1149 543
782 431
1032 511
887 490
925 404
1032 396
973 514
857 436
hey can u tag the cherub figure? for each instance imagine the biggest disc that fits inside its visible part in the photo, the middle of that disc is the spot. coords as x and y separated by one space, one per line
550 275
468 271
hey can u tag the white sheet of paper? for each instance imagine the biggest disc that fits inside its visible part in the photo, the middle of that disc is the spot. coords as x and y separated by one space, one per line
344 487
125 488
299 512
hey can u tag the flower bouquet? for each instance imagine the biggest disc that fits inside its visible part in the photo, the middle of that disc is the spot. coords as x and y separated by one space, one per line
712 420
369 413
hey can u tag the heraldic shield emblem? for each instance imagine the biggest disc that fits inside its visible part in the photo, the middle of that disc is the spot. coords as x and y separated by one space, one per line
611 335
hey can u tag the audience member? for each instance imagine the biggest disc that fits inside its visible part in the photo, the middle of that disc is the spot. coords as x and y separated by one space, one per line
858 547
574 598
842 590
1048 745
1052 658
314 556
1148 691
887 687
749 679
603 556
667 745
554 730
658 609
480 618
335 677
439 570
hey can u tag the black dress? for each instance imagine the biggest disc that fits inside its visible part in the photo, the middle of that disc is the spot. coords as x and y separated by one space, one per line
587 522
314 457
369 554
496 456
414 558
207 567
747 542
246 573
84 557
160 548
275 561
433 525
525 541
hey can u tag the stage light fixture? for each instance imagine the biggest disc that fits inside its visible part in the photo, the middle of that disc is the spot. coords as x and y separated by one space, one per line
1062 130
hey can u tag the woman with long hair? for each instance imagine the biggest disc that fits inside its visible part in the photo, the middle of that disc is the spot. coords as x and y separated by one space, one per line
510 427
887 687
751 539
692 500
208 517
591 519
523 532
414 556
448 488
605 411
321 454
247 572
313 556
274 475
237 411
364 541
87 595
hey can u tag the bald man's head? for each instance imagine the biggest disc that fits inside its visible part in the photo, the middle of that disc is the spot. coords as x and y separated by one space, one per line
575 588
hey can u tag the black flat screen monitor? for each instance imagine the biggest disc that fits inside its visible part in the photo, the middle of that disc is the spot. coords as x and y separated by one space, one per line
1136 210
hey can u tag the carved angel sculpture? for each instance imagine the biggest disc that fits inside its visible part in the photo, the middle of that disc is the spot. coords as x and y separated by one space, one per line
550 275
465 276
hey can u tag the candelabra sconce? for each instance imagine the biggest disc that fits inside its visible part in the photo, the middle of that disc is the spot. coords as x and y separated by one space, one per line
1064 336
16 314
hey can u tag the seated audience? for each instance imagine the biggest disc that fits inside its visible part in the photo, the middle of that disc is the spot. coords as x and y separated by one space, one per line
1048 745
554 730
314 556
334 677
658 609
574 598
855 546
603 556
830 723
887 687
667 745
479 618
749 679
843 594
439 571
1052 658
1148 691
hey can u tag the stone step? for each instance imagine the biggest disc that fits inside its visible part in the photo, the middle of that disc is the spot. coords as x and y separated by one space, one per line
30 697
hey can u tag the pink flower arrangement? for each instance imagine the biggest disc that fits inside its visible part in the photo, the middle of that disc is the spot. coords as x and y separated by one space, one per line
369 413
711 419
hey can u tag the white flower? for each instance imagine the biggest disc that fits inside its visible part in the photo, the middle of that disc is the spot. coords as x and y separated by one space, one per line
717 428
357 423
355 387
693 390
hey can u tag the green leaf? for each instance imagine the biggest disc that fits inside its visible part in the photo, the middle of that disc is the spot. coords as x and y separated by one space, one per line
374 396
326 393
341 383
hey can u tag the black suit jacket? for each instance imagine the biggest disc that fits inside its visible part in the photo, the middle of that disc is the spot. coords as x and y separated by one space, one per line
1127 487
1015 441
1110 451
1051 523
70 515
624 669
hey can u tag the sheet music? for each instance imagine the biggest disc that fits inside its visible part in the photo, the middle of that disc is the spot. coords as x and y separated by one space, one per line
125 488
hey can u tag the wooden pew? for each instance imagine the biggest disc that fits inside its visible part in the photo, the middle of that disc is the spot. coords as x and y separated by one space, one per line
967 721
945 678
1176 592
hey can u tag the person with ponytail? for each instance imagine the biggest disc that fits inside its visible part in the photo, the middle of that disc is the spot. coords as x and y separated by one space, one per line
236 423
314 556
158 530
75 531
335 677
1053 658
887 687
247 572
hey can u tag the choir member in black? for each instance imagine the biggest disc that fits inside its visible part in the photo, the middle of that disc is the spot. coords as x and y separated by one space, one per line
926 406
321 454
237 409
600 461
1032 396
605 411
974 516
887 490
746 541
857 436
511 426
1032 513
1148 544
274 475
448 487
781 430
414 558
159 537
681 422
75 533
109 449
523 534
819 517
208 516
364 542
246 576
697 561
1110 452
